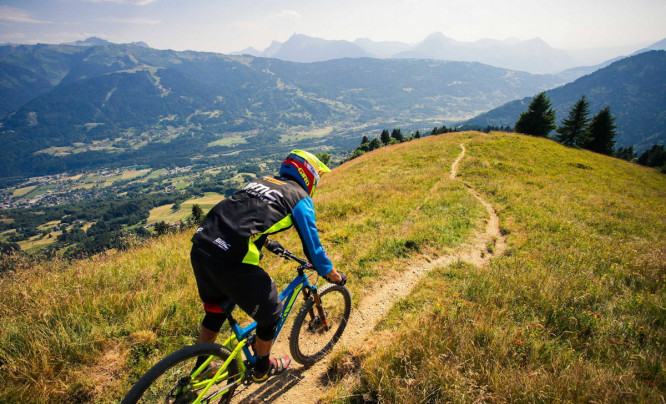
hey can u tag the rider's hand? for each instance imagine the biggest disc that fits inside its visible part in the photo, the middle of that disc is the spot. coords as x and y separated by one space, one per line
274 247
337 277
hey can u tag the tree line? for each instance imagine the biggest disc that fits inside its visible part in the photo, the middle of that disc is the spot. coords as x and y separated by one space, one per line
385 138
396 136
596 134
578 129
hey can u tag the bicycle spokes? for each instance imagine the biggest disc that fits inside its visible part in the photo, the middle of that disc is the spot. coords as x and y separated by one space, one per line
320 323
183 378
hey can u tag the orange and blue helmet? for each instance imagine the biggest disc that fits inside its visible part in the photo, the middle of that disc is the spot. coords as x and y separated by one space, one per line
305 168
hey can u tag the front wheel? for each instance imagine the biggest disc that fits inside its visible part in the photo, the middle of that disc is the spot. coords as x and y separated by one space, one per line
170 381
313 334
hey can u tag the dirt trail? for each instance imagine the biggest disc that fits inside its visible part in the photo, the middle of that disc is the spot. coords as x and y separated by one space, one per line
306 385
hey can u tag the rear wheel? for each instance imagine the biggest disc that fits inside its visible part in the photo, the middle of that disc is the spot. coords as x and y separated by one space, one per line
313 334
169 380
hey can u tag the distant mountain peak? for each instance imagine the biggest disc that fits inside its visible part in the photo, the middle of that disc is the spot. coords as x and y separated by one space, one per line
297 36
92 41
248 51
140 44
301 39
533 55
305 49
661 45
439 37
96 41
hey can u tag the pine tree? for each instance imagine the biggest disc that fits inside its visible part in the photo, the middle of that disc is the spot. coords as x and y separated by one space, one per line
376 144
602 133
539 119
417 135
365 144
397 135
573 131
626 153
197 214
385 137
162 228
655 156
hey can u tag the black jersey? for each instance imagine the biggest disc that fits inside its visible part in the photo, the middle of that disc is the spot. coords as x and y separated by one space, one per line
238 226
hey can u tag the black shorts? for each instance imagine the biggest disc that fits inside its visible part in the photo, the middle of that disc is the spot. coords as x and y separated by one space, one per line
222 283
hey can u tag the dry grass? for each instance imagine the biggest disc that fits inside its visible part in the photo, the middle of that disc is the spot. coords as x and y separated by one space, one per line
573 312
86 331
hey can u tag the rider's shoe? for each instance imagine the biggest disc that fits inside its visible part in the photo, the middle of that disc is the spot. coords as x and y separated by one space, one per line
276 367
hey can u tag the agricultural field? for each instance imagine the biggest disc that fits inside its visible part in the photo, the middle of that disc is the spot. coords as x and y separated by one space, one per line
300 136
167 213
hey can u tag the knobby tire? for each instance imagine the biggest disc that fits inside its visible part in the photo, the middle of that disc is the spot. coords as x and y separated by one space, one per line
309 340
151 389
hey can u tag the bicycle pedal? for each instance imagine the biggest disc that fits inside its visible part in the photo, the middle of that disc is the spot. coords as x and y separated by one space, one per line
247 377
247 380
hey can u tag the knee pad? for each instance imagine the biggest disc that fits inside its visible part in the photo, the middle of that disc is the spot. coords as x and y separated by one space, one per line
214 321
267 332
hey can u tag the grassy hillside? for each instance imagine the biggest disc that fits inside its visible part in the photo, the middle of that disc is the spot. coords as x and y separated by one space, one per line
573 311
86 331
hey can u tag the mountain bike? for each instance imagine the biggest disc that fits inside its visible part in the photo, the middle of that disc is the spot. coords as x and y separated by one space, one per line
317 327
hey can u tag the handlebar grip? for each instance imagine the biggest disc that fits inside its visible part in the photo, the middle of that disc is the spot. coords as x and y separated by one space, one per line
343 279
274 247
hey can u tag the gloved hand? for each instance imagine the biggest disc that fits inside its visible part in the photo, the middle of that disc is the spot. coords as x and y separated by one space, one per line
341 281
274 247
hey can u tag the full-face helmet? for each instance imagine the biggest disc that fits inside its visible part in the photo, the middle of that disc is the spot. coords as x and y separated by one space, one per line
305 168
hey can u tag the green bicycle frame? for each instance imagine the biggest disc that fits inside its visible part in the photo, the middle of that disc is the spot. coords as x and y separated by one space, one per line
237 342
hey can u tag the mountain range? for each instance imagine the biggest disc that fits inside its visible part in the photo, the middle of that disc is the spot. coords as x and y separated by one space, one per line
86 105
634 88
533 55
96 104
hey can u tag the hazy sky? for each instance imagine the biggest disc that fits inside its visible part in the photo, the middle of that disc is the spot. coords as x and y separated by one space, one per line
231 25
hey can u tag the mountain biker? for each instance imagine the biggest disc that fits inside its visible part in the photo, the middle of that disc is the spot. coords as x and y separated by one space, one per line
227 248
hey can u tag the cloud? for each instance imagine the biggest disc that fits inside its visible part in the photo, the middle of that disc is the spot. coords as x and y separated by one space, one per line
133 21
12 14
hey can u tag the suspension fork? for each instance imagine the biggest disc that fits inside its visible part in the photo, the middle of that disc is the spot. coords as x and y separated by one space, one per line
320 310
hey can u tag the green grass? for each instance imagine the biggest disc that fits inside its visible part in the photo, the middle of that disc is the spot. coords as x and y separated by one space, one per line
378 209
85 331
573 311
228 141
24 191
63 322
300 136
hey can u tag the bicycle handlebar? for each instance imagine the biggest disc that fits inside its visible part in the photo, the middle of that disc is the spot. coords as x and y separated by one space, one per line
277 249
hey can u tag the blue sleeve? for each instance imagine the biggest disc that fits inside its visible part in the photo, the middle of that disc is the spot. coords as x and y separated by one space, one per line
304 221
